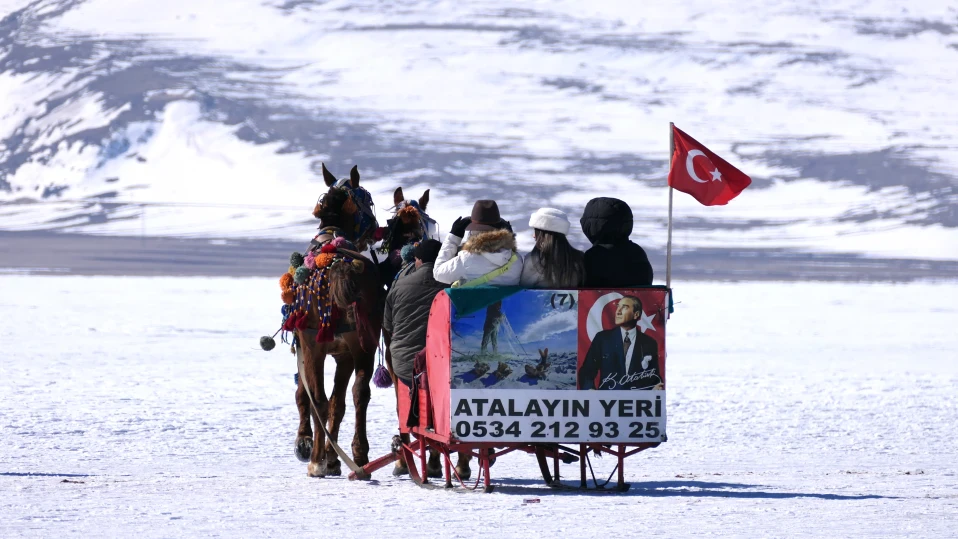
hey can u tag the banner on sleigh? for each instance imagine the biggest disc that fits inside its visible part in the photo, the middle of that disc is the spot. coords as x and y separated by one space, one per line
558 339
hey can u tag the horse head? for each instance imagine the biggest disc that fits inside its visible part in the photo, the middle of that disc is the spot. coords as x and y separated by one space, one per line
411 223
347 207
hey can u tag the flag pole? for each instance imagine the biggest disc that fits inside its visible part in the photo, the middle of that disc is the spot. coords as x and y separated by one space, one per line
668 246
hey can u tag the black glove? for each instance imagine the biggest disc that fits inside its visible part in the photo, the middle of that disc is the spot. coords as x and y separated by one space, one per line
459 227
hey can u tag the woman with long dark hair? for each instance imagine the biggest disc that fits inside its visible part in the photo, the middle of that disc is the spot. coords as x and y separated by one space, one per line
553 262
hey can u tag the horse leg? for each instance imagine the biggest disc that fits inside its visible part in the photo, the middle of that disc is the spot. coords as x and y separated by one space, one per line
361 394
462 465
304 435
314 359
337 409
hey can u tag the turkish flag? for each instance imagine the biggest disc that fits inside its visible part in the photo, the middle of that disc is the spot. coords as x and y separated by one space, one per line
702 174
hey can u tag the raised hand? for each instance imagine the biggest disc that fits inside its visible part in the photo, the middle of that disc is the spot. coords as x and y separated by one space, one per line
459 227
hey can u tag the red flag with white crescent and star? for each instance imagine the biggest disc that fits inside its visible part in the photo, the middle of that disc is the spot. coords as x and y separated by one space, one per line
707 177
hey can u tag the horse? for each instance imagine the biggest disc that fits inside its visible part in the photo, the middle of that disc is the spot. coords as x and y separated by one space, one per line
410 224
341 306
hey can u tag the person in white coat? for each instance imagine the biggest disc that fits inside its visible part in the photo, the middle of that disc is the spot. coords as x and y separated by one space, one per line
488 256
553 262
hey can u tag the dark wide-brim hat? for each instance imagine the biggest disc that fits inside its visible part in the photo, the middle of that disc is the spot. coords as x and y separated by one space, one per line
485 216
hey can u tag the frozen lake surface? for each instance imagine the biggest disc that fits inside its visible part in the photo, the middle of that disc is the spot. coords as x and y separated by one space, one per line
144 407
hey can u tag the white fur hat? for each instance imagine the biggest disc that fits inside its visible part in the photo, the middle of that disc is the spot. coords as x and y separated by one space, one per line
550 219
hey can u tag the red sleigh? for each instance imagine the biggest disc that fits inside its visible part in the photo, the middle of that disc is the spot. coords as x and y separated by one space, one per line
533 402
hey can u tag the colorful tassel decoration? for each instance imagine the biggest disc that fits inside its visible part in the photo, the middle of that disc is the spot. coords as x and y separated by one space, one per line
349 207
301 275
324 260
343 243
285 281
381 377
409 215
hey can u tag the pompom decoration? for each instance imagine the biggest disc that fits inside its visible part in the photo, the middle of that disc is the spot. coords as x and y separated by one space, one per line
409 215
358 264
395 258
285 310
285 281
301 275
292 270
349 207
381 377
267 343
288 296
343 243
310 261
408 253
324 260
296 260
328 248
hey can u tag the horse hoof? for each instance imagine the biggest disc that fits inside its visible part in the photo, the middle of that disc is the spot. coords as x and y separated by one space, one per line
315 470
334 468
303 449
434 465
464 472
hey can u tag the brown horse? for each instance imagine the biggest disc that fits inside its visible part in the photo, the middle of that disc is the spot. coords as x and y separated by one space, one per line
410 224
355 290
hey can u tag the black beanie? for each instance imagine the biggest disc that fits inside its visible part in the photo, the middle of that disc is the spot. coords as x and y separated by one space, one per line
428 251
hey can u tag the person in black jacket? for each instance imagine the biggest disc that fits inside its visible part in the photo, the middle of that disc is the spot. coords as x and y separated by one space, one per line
406 317
613 261
407 310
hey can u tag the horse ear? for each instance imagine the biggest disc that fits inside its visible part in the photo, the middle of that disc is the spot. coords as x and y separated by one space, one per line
354 176
424 200
398 196
327 177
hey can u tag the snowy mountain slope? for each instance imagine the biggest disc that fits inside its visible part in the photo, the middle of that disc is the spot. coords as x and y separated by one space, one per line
190 119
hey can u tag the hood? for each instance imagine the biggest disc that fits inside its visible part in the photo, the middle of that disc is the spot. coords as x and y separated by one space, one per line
490 242
606 220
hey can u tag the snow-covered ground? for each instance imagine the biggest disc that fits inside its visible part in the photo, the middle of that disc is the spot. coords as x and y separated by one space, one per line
143 407
184 118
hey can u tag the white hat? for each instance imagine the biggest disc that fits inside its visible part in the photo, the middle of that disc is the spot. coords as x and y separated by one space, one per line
550 219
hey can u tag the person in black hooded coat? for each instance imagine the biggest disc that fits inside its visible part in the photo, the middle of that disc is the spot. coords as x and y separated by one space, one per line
614 261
